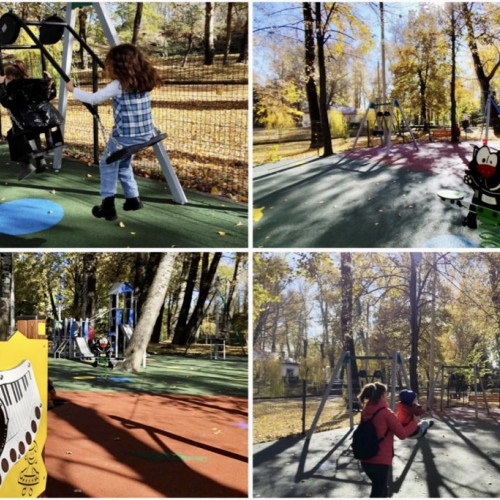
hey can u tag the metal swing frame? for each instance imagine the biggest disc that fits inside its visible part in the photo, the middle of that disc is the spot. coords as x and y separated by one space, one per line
345 359
63 70
477 377
387 131
490 102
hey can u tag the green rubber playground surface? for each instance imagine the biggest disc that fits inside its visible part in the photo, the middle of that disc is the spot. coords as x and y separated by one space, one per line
205 222
365 199
163 374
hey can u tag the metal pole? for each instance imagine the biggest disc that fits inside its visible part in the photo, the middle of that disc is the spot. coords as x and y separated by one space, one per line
475 390
442 386
304 389
67 55
394 380
349 393
95 121
488 116
363 121
336 370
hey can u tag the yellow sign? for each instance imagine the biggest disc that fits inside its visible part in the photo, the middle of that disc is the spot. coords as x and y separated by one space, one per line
23 416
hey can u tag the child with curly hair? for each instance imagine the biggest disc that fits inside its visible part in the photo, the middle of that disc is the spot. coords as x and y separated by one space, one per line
133 79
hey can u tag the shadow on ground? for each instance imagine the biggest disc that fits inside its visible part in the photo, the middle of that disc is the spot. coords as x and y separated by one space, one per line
457 458
364 199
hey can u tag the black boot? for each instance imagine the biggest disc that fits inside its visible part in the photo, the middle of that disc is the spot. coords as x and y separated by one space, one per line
132 204
106 209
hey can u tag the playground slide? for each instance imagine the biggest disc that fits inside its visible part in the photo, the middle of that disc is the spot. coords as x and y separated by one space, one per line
85 352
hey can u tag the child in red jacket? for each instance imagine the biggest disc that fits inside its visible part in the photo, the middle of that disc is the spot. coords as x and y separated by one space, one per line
408 410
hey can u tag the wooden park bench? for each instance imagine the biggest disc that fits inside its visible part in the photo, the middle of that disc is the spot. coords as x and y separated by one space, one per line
440 133
491 398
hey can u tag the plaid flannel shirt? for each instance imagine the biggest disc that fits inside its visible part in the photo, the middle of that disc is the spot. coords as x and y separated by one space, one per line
131 110
133 115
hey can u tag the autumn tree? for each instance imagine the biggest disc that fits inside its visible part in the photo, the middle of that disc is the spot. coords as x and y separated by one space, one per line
136 348
6 296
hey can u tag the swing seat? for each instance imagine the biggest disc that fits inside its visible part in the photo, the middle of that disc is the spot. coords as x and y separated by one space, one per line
378 133
125 152
24 143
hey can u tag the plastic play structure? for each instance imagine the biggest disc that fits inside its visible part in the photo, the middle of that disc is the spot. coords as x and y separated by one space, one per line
74 339
384 123
344 362
457 386
51 31
23 416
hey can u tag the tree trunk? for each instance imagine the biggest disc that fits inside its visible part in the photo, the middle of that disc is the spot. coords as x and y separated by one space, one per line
346 308
323 102
455 136
156 336
181 326
311 92
89 285
137 22
483 79
185 331
209 33
137 346
188 50
243 57
229 32
415 257
82 31
177 296
230 295
6 305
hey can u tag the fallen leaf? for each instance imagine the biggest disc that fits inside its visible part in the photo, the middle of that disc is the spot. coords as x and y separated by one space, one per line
121 224
240 224
221 233
257 214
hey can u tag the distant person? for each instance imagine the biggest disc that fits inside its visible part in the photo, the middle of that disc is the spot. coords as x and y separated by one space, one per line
408 410
373 398
133 79
465 122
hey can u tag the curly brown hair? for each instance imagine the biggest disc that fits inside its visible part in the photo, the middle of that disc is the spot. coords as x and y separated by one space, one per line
127 64
17 70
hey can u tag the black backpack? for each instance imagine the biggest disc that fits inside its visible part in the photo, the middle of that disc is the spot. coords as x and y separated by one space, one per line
365 442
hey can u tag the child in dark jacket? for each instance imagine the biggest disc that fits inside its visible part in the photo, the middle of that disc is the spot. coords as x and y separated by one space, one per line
26 99
408 410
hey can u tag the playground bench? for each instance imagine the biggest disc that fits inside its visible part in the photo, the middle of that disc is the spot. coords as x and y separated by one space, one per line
491 398
440 133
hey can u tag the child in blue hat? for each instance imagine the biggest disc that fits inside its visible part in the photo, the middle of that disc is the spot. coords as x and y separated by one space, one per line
408 410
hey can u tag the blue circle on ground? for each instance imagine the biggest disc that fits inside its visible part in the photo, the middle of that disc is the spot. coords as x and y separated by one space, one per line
28 215
449 241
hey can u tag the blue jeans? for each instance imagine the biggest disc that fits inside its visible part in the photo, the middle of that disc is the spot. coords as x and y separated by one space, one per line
110 173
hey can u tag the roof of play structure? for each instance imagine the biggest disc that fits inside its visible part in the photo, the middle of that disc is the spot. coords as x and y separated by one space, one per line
123 287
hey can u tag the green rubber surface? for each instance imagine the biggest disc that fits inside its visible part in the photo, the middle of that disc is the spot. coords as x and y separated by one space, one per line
163 374
205 222
366 199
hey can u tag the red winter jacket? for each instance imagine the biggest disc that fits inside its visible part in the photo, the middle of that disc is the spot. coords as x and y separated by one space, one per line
406 414
386 420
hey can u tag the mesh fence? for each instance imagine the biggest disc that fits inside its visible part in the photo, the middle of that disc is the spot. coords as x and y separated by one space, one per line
204 111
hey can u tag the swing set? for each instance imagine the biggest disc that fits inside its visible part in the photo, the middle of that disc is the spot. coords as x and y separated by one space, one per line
457 385
384 123
52 30
344 362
